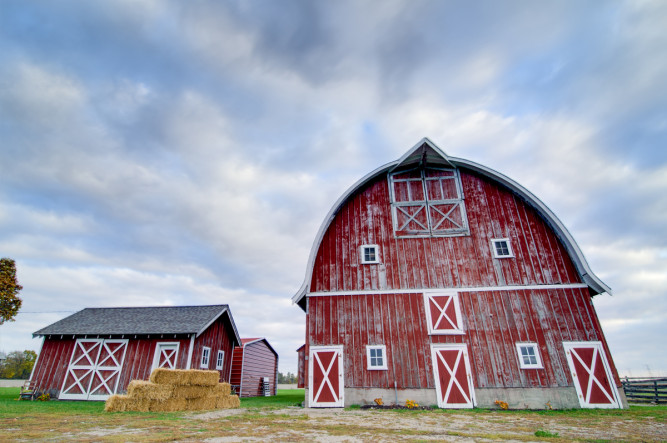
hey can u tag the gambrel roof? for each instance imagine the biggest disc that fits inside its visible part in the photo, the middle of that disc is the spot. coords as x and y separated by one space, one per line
427 153
140 321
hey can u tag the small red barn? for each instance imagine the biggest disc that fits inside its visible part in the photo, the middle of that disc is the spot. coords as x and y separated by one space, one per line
442 281
254 368
96 352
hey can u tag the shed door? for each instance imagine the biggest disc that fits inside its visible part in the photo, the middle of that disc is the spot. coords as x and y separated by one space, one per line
165 356
325 373
94 369
453 379
591 375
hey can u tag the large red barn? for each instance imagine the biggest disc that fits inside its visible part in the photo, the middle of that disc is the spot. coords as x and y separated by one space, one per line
96 352
442 281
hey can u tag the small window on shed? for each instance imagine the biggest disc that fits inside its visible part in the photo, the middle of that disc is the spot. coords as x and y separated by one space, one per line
376 357
529 356
205 357
370 254
220 360
501 248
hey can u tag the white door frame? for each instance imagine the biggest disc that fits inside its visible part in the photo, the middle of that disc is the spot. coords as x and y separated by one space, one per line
462 358
584 397
160 348
313 359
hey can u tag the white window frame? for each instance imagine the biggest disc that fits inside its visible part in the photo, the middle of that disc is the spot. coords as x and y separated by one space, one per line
495 241
205 357
536 349
371 367
159 348
362 253
220 360
457 311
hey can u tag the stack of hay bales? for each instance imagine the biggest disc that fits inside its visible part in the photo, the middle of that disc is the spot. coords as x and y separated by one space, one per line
175 390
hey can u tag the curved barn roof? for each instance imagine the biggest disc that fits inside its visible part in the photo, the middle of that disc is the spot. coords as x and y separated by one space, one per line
426 152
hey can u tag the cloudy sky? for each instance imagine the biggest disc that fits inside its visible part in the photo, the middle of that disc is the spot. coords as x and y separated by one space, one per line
171 153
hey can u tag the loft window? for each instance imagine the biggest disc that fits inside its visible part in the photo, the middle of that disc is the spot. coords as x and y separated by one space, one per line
427 202
205 356
370 254
502 248
376 357
220 360
529 356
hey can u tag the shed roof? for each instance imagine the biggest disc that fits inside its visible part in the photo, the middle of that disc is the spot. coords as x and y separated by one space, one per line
141 320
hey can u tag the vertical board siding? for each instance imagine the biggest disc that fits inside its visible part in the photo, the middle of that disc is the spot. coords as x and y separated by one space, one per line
218 336
440 262
493 322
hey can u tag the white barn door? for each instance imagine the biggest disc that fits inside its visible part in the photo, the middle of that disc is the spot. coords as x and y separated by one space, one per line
94 369
165 355
591 375
453 379
325 376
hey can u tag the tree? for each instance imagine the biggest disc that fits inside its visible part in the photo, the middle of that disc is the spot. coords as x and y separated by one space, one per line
18 364
10 303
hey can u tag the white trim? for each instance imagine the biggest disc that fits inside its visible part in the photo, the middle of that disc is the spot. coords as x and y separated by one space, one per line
438 388
205 361
455 329
362 254
220 362
615 402
510 253
158 353
191 349
459 290
383 348
538 358
340 402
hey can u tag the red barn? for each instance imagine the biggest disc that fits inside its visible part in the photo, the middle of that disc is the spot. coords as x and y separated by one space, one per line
96 352
254 368
442 281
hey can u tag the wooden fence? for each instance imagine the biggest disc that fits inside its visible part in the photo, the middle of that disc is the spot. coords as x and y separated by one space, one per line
645 389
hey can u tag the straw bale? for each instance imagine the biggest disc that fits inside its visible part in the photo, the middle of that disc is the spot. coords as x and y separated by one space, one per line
162 376
146 389
192 392
138 404
222 389
227 402
169 405
116 403
200 377
201 404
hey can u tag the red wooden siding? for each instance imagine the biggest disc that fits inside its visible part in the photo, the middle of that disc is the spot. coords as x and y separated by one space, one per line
301 368
252 362
440 262
493 321
218 336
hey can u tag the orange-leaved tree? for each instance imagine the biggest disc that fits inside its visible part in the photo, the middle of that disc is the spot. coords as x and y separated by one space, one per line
10 303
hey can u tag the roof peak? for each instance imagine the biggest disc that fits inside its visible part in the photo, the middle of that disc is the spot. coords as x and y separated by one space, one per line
424 153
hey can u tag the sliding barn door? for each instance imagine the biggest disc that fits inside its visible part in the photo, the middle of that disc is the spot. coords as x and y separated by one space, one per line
94 369
325 373
453 379
591 375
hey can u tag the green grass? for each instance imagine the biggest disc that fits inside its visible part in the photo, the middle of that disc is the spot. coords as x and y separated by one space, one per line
284 398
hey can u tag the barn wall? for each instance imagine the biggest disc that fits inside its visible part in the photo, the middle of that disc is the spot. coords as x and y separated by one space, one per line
301 368
440 262
493 321
51 367
258 361
219 336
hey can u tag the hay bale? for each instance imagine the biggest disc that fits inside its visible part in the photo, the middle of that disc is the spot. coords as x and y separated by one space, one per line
227 402
116 403
201 404
199 377
222 389
181 377
151 391
192 392
138 404
168 405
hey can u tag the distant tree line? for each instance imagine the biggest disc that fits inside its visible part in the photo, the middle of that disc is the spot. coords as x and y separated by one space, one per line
287 379
18 364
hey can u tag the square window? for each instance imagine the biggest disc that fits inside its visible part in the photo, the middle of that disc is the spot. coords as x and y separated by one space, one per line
370 254
376 357
501 248
220 360
529 356
205 356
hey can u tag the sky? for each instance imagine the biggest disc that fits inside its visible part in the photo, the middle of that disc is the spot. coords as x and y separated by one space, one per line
181 153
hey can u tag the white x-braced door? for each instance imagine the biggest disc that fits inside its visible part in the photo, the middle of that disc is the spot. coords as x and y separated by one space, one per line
453 379
325 374
165 355
591 375
94 369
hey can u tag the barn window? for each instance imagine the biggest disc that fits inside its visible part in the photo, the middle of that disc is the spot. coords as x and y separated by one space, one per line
205 357
501 248
376 357
427 202
370 254
443 314
220 360
529 356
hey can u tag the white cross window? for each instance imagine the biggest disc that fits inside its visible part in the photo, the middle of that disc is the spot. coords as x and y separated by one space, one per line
501 248
529 356
376 357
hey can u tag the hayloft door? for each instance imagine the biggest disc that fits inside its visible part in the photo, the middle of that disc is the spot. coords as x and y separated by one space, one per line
94 369
453 379
165 356
325 373
591 375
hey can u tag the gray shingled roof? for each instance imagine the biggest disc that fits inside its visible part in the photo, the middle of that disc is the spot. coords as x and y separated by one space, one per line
146 320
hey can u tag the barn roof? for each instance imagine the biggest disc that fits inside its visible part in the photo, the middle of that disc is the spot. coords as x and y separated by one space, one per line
143 320
426 152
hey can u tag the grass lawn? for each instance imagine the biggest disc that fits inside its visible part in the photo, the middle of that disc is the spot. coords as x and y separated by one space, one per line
282 418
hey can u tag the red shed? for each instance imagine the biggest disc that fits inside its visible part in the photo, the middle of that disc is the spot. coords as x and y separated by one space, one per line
442 281
254 368
96 352
301 369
